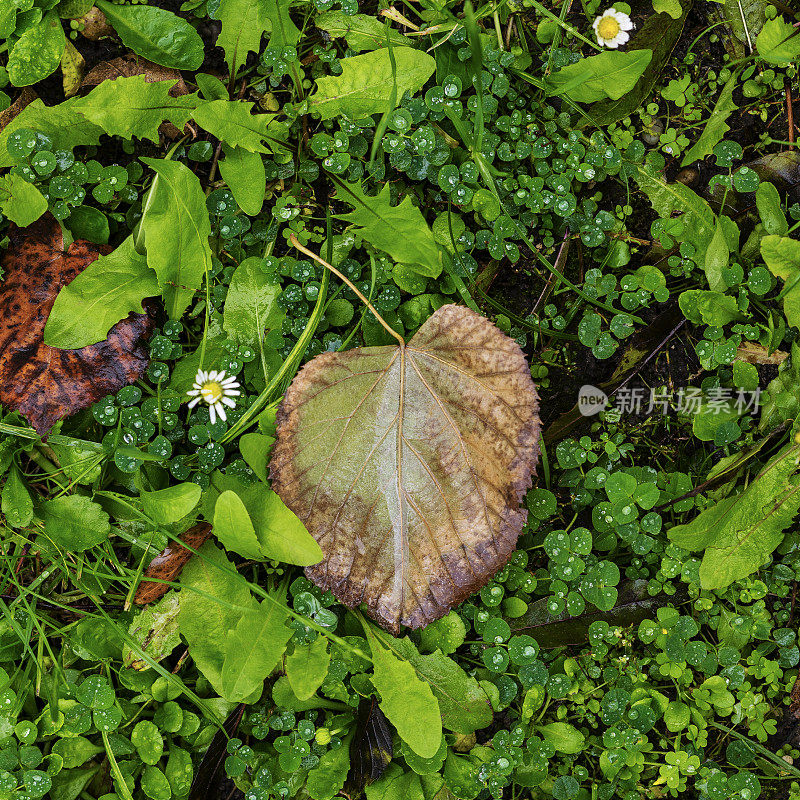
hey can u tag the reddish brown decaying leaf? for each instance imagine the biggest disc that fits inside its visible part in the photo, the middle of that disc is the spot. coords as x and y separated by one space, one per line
130 65
408 465
43 383
169 563
26 97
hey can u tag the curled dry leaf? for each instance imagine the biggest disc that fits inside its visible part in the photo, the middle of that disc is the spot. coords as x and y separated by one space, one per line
43 383
130 65
26 97
408 464
169 563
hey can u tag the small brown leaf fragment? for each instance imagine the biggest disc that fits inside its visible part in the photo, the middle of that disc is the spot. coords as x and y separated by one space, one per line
95 25
755 353
168 564
46 384
130 65
408 463
26 97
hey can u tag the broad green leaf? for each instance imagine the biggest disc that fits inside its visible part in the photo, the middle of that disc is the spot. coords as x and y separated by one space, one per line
326 780
17 504
233 528
37 52
62 123
770 209
358 458
231 122
671 7
21 201
716 125
172 504
155 630
361 31
211 87
213 599
246 177
781 254
739 533
75 751
399 785
244 22
307 667
255 448
251 308
179 771
105 292
463 704
367 83
407 701
155 34
129 107
565 738
716 259
709 308
283 32
610 74
401 231
88 223
659 33
176 228
74 522
280 533
778 42
254 647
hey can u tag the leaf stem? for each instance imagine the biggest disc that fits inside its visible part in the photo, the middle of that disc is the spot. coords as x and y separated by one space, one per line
350 285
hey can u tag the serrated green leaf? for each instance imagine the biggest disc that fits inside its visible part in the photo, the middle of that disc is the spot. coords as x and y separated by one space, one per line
283 32
778 42
254 647
367 82
133 106
109 289
21 201
307 667
62 123
231 122
325 781
176 229
739 533
74 522
401 231
244 22
671 7
156 34
716 125
37 52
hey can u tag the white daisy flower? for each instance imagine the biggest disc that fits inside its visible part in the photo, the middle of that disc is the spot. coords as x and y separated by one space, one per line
611 28
216 390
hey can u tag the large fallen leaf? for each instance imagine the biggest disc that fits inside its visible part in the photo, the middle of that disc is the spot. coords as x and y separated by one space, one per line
407 465
43 383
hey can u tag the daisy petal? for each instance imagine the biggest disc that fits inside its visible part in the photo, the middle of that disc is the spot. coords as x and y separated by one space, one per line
194 402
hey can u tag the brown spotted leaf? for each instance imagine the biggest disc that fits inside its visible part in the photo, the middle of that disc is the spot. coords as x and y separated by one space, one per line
408 464
43 383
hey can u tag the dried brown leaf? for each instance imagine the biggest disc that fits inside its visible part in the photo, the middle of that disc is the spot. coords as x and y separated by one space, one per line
408 464
43 383
169 563
755 353
131 65
26 97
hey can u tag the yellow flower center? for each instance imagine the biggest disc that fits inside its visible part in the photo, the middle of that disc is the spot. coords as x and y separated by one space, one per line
608 28
211 391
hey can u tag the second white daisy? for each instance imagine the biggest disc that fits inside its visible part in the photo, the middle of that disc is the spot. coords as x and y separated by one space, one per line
216 390
611 28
